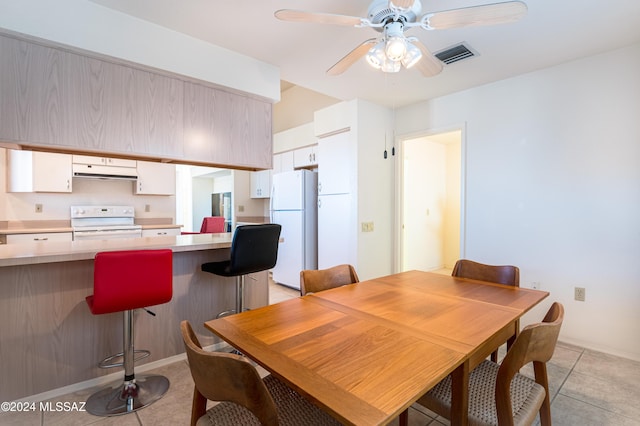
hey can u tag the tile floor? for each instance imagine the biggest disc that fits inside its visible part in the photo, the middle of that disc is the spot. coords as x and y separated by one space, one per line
587 388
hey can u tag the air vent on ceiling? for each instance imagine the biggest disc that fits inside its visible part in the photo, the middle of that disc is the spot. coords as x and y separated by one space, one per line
456 53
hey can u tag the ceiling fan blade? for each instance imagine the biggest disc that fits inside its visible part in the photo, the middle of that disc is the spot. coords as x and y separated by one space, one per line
350 58
319 18
488 14
428 65
401 4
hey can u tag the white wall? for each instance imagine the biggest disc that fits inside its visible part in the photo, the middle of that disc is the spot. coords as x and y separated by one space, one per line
202 188
87 25
553 186
375 189
296 107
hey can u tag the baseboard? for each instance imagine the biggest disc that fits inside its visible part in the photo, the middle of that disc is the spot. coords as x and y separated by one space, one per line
114 377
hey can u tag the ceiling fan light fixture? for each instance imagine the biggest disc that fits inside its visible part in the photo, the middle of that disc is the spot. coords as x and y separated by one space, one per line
395 48
376 56
412 56
395 45
390 66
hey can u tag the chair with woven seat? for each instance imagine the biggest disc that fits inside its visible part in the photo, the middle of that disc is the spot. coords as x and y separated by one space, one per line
254 248
498 394
503 274
124 281
313 281
246 398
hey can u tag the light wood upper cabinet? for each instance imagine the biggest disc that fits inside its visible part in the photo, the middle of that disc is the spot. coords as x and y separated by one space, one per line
116 108
65 98
226 128
29 171
33 86
55 97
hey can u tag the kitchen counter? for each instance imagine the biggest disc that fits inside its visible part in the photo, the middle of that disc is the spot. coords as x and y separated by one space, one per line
48 337
252 220
57 226
64 251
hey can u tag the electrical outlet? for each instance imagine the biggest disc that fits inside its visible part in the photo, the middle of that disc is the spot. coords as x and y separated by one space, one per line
147 208
240 209
38 208
579 294
535 285
367 226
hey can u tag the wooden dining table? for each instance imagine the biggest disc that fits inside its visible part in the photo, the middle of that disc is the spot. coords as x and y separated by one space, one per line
365 352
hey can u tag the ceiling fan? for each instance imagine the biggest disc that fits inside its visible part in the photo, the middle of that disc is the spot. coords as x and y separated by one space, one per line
393 50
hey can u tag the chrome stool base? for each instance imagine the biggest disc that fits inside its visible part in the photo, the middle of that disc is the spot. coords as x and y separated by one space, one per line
127 397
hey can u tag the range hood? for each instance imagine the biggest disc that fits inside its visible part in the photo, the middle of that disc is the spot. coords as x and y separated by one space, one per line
104 168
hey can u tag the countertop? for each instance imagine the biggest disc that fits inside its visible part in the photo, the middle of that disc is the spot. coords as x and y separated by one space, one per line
43 227
253 219
65 251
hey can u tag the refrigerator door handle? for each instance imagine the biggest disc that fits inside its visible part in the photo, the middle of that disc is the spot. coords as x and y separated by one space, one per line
273 191
319 202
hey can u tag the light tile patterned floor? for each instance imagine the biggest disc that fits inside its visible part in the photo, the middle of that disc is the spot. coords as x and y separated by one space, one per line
587 388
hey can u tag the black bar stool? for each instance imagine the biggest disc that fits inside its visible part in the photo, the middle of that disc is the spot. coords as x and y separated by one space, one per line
254 248
124 281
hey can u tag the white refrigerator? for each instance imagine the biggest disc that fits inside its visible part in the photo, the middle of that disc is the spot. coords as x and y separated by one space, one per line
293 206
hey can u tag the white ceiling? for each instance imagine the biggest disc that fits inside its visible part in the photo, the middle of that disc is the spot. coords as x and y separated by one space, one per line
554 31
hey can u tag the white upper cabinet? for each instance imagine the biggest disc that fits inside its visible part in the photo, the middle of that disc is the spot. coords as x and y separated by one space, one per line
261 184
155 178
305 157
283 162
30 171
103 161
336 173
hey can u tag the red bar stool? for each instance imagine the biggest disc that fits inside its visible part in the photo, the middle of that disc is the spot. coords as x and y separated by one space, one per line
122 282
254 248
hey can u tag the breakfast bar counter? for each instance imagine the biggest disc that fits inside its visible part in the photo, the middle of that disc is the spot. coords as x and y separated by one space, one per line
48 337
64 251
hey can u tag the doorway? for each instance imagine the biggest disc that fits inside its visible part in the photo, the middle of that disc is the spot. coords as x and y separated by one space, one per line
431 201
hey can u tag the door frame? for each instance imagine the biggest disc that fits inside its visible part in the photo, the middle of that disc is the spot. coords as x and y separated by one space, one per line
399 193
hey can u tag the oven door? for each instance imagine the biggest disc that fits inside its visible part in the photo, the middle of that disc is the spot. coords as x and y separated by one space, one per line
104 234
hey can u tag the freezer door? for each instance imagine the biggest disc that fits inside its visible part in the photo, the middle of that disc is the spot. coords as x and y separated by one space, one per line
291 249
287 192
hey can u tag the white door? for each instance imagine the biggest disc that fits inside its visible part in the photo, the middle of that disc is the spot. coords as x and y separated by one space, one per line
336 236
336 164
291 247
288 191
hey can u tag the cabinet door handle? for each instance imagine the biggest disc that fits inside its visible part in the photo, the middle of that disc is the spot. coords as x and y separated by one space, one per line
319 203
40 239
319 187
68 184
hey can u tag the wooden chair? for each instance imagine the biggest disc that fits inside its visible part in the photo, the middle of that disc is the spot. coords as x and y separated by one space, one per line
500 395
313 281
505 274
246 398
